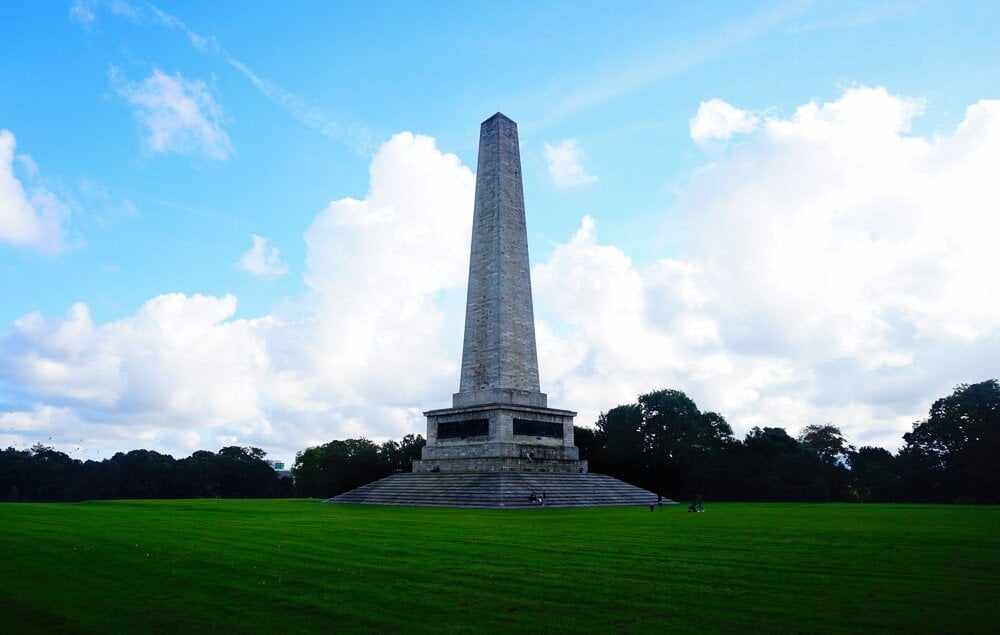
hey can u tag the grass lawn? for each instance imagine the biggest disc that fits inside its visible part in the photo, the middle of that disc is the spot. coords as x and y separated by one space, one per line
297 565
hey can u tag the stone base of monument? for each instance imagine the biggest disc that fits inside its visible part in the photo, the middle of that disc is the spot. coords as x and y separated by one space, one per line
499 456
500 438
498 490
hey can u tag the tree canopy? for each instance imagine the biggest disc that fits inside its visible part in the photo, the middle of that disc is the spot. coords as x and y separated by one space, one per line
662 442
954 454
340 466
45 474
665 444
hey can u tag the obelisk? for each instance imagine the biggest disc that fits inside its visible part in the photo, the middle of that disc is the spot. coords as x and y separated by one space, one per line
499 419
499 360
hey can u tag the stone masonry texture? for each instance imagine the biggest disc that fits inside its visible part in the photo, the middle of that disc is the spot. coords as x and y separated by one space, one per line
499 420
499 356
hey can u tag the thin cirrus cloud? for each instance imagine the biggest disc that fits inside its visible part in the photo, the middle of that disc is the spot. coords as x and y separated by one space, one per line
32 217
262 259
176 115
862 16
643 71
302 109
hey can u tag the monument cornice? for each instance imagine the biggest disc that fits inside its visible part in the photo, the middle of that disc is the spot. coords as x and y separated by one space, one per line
498 406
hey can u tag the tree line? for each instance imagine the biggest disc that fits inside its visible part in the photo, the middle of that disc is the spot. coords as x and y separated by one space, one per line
340 466
43 474
663 443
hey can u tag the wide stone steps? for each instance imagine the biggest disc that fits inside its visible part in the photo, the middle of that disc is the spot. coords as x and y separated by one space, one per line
499 490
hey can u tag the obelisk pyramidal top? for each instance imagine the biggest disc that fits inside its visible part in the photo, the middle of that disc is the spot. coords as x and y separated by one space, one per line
499 359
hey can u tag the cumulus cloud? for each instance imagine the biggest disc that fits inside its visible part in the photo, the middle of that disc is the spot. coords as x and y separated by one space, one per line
565 161
262 259
376 268
718 120
371 348
177 115
33 217
177 368
840 270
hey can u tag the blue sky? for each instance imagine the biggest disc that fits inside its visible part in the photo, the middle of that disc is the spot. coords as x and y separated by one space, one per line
661 145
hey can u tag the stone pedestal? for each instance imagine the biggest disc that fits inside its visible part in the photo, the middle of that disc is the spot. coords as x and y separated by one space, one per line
499 438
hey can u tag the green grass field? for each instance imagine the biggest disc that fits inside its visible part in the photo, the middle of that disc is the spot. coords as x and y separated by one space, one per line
295 565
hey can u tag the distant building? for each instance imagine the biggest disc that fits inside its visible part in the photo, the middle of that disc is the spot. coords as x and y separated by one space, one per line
279 467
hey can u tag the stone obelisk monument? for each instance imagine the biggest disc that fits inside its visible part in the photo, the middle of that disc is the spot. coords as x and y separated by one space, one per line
499 420
499 441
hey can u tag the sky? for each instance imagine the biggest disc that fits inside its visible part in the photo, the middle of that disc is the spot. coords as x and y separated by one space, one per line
224 223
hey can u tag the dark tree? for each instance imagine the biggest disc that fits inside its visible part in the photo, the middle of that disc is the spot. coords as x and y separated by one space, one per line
954 454
834 452
45 474
874 475
682 444
197 476
144 474
399 456
663 443
337 467
39 474
243 473
775 467
243 453
588 441
620 429
828 442
340 466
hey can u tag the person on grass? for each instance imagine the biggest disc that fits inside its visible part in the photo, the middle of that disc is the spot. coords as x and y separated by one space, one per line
696 505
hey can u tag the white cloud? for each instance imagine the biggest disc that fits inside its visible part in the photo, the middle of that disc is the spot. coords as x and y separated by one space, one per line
306 111
182 374
177 357
83 11
177 115
840 269
32 218
565 161
262 259
717 119
376 268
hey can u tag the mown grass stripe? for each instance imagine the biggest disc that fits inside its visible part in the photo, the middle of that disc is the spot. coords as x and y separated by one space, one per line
302 566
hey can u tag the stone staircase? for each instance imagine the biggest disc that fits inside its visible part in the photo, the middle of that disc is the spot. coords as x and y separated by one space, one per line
497 490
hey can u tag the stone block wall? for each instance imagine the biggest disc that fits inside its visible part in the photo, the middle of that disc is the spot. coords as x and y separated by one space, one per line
499 347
